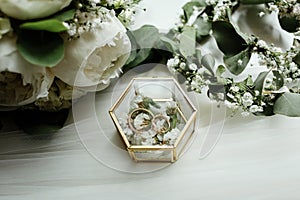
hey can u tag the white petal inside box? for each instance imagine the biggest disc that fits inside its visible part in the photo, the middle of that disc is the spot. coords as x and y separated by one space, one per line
155 119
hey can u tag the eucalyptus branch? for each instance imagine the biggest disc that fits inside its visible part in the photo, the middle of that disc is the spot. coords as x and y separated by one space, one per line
275 91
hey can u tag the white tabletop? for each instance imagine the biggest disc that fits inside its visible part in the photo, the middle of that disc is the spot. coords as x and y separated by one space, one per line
251 158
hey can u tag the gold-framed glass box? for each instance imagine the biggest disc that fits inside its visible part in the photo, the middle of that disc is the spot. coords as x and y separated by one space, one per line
155 118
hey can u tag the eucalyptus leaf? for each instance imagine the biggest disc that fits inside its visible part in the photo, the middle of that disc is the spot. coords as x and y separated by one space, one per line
140 56
199 55
227 38
296 59
188 8
256 1
171 45
204 28
133 47
51 25
208 62
220 70
217 88
260 80
146 36
288 104
41 48
290 24
249 81
143 40
233 62
187 41
279 81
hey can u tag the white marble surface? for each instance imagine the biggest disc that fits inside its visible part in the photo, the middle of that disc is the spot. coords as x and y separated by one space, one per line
255 157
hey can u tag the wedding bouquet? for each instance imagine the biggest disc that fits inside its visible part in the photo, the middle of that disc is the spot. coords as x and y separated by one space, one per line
53 51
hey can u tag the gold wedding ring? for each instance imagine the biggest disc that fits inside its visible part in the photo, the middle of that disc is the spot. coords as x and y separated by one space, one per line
132 116
166 125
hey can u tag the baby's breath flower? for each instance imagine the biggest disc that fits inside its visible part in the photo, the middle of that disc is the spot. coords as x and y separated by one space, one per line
182 65
234 88
193 66
247 99
245 113
261 14
255 108
231 105
240 62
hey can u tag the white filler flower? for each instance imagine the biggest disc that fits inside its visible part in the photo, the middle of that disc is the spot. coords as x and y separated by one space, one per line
32 9
21 83
96 57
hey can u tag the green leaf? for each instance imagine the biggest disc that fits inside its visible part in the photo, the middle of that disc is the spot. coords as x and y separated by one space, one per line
246 84
216 88
187 41
140 56
143 40
220 70
256 1
227 38
134 47
41 48
288 104
54 24
204 28
232 62
188 8
290 24
146 36
65 15
171 45
296 59
208 62
279 81
260 80
51 25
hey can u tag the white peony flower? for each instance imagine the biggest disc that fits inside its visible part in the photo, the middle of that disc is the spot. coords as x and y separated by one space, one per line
32 9
96 57
21 83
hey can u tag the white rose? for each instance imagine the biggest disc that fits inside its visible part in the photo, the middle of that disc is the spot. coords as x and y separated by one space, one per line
32 9
96 57
21 83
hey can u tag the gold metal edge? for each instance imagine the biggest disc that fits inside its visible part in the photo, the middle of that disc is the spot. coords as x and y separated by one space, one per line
151 148
187 141
119 128
185 95
122 96
187 125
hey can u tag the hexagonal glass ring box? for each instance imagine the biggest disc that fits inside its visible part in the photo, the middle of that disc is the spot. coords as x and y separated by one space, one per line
155 119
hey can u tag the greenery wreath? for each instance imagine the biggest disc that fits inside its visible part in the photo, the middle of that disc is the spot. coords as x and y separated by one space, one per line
275 90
